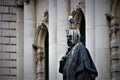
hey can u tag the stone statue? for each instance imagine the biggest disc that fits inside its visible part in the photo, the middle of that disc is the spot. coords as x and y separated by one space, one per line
77 63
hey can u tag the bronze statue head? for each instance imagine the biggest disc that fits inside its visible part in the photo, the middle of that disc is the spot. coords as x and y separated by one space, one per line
73 36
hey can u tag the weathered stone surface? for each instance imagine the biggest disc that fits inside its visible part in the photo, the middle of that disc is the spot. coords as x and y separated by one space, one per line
9 63
4 71
13 40
4 24
12 9
0 1
40 69
13 25
0 48
0 63
4 9
13 78
114 43
13 71
9 32
115 55
7 20
8 2
13 56
9 17
40 78
8 48
0 16
115 67
4 40
4 56
9 78
0 32
116 78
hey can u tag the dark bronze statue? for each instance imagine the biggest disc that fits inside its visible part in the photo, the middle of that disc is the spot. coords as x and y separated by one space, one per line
77 63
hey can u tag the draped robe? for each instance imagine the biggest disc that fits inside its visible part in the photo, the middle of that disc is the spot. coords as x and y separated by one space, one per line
78 64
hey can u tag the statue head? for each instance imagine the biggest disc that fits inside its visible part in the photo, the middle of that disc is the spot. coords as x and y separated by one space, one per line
73 36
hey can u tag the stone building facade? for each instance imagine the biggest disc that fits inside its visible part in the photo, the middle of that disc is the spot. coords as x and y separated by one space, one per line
8 39
33 39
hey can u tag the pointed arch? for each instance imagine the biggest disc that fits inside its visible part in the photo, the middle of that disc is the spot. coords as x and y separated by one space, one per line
115 7
78 15
41 51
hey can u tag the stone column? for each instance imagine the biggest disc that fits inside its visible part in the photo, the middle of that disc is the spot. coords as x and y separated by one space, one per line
102 44
29 24
62 24
20 48
52 39
90 26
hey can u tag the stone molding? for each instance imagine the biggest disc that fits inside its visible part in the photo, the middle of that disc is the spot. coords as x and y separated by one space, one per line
39 47
114 24
77 13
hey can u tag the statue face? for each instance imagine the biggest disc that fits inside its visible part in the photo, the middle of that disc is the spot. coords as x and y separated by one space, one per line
70 40
72 36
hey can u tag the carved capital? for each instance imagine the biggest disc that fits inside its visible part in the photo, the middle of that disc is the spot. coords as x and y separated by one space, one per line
114 21
109 17
114 29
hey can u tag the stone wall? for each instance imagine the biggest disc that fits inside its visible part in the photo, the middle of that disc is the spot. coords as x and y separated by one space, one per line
114 22
8 52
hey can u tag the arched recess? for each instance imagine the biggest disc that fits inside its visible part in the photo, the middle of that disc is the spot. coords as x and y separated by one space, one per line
114 23
41 49
79 17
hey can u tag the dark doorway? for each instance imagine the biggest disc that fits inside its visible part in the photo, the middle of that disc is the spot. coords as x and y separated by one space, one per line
47 57
82 30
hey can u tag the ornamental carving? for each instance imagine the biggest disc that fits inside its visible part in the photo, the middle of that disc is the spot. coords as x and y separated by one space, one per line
46 17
